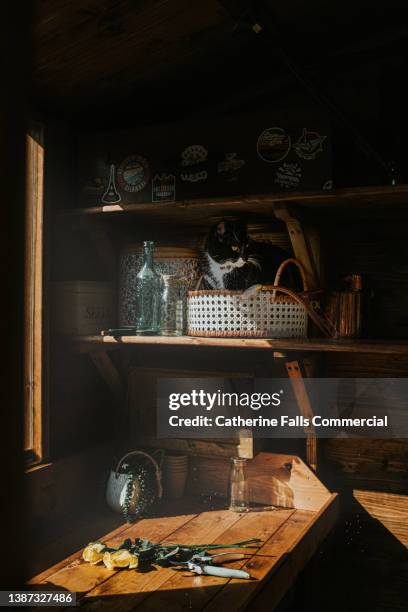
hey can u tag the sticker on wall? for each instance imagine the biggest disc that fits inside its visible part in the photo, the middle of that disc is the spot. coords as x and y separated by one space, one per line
111 195
193 155
164 188
229 166
133 173
273 145
288 175
194 177
309 144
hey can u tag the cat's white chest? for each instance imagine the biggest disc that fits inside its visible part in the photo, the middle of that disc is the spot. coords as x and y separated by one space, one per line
217 271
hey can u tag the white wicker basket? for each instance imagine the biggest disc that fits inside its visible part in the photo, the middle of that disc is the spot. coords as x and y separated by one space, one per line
260 313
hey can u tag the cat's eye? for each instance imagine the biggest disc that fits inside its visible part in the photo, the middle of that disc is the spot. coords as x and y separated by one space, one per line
235 248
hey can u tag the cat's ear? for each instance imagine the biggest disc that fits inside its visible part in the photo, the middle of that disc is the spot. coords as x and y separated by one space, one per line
221 228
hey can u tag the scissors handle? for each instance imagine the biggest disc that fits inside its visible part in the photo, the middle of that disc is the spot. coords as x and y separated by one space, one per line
225 572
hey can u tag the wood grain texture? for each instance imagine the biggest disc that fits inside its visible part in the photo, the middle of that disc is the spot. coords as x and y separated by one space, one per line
289 553
288 538
93 343
389 509
198 211
371 464
76 575
312 532
301 248
199 590
105 46
36 430
305 408
279 480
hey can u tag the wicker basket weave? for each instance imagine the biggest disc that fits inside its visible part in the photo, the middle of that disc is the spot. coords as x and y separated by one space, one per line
262 312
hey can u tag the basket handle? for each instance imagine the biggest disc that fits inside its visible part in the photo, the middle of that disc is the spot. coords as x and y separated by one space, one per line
199 283
284 264
157 470
322 323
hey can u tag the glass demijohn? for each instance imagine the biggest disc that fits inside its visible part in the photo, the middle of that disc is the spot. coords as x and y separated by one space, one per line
239 490
148 289
172 306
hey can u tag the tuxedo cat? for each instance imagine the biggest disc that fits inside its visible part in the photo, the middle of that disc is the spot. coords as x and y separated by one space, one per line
232 260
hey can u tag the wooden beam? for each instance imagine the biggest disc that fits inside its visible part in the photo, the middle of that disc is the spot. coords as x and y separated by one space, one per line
365 198
305 409
86 344
301 249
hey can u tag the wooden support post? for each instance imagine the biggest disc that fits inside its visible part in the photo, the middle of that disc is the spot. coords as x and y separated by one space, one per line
305 409
299 244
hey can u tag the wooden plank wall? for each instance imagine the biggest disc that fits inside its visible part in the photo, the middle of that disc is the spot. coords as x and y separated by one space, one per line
377 249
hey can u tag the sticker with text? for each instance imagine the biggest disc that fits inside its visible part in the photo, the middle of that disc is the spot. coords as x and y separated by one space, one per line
133 173
194 155
164 188
273 145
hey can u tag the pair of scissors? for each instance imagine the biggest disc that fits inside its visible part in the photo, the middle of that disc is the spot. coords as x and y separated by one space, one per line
208 565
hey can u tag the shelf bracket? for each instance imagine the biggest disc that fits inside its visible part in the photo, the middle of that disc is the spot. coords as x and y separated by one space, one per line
300 246
305 409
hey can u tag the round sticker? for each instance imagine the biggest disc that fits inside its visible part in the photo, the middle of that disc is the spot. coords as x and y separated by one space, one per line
273 145
133 173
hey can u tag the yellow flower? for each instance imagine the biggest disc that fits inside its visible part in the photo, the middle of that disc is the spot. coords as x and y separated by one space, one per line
120 558
93 553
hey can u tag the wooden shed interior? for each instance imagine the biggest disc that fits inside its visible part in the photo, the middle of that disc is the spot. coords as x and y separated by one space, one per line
156 71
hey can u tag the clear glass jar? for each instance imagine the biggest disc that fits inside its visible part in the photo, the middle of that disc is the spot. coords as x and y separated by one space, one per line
239 490
148 290
172 306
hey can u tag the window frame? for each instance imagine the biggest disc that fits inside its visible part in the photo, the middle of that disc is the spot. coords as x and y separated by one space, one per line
35 417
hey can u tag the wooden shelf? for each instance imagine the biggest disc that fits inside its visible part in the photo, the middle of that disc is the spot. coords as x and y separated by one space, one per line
192 211
382 347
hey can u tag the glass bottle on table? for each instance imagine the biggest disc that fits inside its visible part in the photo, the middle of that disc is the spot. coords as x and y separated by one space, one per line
148 290
239 490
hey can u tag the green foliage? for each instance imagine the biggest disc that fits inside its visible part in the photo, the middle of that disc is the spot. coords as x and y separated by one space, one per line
150 553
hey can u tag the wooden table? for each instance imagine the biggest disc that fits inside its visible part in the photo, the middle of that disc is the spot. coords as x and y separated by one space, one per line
289 538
